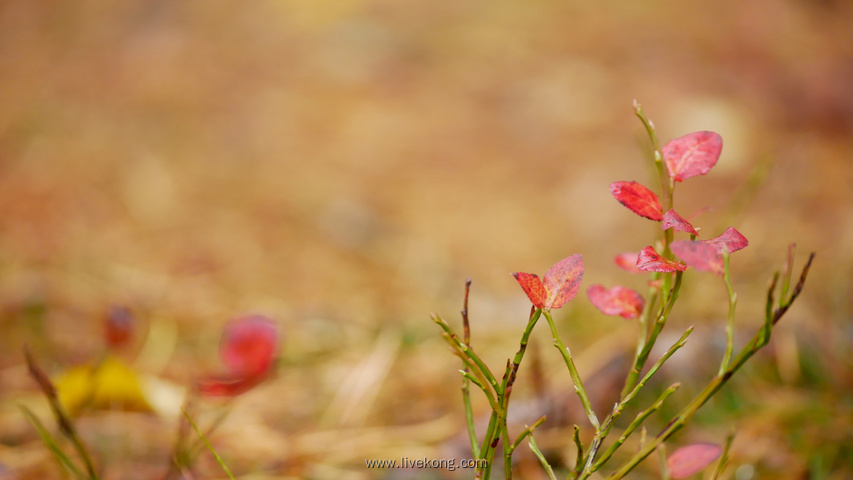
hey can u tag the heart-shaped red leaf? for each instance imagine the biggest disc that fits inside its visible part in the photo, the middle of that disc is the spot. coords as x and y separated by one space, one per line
731 240
533 287
650 261
249 345
676 221
563 280
699 255
638 199
693 154
617 300
627 261
561 283
692 459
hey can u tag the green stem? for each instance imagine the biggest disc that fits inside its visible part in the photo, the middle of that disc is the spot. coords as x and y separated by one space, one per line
608 422
730 324
466 378
638 420
759 340
541 458
573 371
507 384
468 352
528 431
648 343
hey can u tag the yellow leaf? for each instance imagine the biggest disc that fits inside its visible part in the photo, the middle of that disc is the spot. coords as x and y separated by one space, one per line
108 385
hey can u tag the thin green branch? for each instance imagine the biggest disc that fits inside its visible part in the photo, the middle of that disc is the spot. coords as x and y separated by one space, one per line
541 458
466 378
573 371
642 355
730 323
638 420
528 431
579 459
758 341
454 340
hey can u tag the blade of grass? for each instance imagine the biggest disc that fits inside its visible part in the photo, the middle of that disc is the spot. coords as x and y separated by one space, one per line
209 446
724 458
51 444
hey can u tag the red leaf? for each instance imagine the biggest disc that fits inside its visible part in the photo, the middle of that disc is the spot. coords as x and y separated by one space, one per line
563 280
627 261
617 300
532 286
561 283
731 240
638 199
699 255
676 221
691 155
650 261
119 325
692 459
249 345
227 386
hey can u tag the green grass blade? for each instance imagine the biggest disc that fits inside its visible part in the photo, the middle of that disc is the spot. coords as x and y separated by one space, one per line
51 444
209 446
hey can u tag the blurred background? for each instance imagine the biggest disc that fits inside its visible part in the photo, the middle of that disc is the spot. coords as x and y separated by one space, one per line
343 166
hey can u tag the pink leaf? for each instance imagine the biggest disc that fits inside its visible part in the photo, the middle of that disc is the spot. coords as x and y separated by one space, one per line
650 261
627 261
676 221
638 199
692 459
563 280
561 283
249 345
699 255
617 300
532 286
731 240
691 155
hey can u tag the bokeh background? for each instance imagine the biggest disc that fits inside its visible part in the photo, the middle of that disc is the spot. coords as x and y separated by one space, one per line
344 166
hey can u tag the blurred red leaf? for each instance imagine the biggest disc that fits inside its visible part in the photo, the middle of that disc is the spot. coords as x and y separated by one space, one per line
638 199
561 283
533 287
731 240
248 349
616 300
627 261
227 386
699 255
249 345
119 325
693 154
692 459
650 261
676 221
